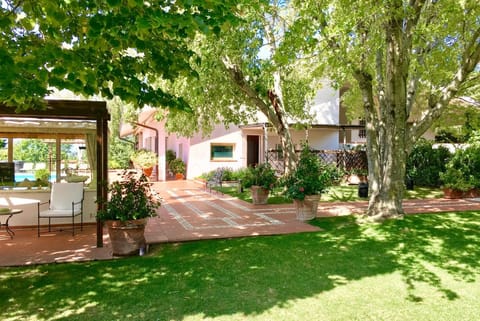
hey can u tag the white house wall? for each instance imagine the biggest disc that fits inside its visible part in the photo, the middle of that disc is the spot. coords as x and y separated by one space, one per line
317 138
325 106
195 151
199 161
180 145
323 138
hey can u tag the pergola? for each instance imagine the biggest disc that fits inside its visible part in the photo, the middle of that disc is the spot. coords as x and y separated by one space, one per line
67 119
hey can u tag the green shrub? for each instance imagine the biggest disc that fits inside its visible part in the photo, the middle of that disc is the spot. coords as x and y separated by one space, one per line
227 174
425 163
42 174
177 166
261 175
170 155
144 158
463 169
311 176
241 174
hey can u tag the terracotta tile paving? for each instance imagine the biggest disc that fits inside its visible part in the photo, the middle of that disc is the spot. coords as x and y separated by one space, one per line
190 213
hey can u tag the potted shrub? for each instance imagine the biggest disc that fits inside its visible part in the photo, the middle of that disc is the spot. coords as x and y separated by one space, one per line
461 177
145 160
306 182
131 202
177 166
260 179
169 156
455 183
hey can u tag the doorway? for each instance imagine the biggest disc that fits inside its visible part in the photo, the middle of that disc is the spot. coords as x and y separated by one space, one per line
253 148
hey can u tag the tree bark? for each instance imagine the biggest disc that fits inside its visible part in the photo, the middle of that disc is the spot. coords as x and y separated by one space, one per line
389 137
386 126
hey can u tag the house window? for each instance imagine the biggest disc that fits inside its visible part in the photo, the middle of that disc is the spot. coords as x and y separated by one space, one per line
221 151
362 133
148 143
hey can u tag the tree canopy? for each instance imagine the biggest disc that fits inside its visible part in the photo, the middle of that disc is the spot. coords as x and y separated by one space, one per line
407 60
253 70
106 47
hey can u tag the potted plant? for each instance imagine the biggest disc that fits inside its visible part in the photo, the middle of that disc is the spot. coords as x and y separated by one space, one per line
306 182
169 156
260 179
131 202
455 183
145 160
461 177
177 166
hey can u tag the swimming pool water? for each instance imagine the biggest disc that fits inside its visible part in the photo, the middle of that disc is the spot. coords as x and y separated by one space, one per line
19 177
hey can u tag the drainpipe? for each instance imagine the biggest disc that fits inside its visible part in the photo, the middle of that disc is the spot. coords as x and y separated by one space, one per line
265 143
126 140
156 145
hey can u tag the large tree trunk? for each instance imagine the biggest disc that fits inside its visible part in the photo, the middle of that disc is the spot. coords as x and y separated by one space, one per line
386 153
386 177
386 125
389 83
388 181
388 138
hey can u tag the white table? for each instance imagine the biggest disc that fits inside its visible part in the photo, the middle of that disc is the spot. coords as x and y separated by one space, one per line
10 213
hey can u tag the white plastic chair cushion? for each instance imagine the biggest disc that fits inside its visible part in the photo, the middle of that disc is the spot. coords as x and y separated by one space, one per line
64 213
63 194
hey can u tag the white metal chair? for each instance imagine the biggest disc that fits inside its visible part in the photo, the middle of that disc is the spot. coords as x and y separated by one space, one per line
66 201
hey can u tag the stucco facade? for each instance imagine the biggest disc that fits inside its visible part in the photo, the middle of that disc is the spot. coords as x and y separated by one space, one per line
240 146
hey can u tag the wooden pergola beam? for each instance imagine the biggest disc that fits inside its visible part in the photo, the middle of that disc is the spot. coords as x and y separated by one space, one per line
61 109
74 110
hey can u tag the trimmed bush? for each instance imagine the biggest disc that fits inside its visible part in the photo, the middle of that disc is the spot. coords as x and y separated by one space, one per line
425 163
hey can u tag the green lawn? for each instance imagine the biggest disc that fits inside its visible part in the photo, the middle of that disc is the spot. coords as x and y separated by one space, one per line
342 193
424 267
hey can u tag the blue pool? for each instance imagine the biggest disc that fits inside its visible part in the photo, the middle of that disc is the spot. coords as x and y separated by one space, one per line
31 177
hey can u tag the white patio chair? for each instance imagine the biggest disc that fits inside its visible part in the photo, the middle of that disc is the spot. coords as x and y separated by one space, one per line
40 166
66 201
27 167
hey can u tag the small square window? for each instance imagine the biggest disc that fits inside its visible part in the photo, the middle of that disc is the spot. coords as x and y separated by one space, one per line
221 151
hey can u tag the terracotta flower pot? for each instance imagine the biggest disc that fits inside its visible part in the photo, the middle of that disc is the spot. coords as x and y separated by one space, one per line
127 238
307 208
259 195
452 193
179 176
472 193
147 171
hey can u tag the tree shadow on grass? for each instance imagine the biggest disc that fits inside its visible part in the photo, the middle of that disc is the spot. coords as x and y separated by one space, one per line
249 275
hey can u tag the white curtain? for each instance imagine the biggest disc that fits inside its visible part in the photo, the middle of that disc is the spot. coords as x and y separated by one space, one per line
92 157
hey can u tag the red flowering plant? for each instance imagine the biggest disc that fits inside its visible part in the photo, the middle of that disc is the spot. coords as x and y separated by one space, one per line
131 198
310 177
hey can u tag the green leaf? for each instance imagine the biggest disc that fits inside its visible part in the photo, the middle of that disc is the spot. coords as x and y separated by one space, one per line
142 23
114 3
